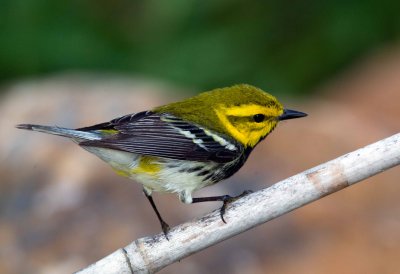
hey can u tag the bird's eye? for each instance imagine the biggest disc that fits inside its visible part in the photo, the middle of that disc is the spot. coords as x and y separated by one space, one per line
258 118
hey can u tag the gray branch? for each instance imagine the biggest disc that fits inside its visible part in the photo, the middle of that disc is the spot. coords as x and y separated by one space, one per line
150 254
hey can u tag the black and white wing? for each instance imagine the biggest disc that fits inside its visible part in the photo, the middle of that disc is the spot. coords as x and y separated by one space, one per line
164 135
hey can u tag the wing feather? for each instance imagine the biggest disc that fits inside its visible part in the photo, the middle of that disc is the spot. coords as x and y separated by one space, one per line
164 135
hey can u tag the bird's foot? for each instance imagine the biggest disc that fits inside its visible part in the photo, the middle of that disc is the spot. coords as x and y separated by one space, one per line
165 229
227 199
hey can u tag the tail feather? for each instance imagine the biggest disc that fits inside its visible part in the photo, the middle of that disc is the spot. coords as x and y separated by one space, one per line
65 132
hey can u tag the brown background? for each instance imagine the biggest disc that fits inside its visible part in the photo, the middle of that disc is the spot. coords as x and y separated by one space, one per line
62 208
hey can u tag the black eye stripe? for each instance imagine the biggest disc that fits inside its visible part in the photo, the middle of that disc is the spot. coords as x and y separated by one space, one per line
258 118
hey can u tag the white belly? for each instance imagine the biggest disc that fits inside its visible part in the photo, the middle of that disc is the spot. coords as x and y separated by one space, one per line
173 176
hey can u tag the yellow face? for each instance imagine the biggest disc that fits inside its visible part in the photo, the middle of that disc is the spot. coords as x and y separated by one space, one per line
249 123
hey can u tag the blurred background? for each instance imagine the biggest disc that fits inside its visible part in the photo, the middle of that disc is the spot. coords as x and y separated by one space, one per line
76 63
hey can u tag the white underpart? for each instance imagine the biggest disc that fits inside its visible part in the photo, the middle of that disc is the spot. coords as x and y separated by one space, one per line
174 179
183 183
168 179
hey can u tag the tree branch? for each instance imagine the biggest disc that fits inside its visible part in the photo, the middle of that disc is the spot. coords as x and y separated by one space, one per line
150 254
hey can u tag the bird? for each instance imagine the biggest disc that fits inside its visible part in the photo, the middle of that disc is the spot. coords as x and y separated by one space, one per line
183 146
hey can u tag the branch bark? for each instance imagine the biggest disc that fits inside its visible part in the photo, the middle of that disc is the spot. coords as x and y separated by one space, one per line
150 254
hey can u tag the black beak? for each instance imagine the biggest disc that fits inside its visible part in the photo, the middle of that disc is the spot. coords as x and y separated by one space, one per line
291 114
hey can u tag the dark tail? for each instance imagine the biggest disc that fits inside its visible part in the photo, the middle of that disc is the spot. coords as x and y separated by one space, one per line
60 131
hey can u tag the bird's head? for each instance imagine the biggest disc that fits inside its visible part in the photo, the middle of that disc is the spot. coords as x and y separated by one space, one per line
243 112
250 114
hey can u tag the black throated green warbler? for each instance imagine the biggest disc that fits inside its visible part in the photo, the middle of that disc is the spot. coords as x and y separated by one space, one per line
183 146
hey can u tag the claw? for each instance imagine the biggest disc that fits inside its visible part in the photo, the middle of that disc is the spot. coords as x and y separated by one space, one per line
229 199
223 208
165 228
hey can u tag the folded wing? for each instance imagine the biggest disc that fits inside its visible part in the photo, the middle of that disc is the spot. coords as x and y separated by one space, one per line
164 135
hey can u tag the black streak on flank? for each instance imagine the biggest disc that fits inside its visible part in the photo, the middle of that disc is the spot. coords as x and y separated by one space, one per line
204 172
191 170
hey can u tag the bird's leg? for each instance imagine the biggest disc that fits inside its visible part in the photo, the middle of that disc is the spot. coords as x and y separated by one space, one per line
225 199
164 226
